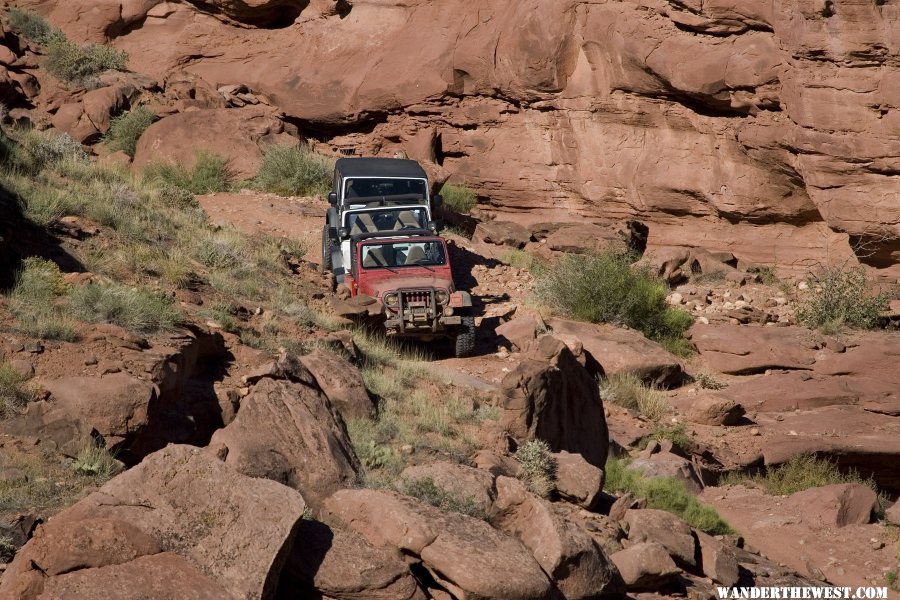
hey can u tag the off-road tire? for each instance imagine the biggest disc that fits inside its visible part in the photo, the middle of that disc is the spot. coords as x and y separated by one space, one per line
327 242
465 338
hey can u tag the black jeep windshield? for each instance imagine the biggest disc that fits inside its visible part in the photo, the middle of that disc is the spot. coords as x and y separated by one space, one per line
369 187
403 254
370 221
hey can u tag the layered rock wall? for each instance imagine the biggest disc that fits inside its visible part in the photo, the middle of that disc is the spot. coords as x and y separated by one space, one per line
771 129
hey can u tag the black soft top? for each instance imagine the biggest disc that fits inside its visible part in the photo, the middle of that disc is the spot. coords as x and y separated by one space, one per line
378 167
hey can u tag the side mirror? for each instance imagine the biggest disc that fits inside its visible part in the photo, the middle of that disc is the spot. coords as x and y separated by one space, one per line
435 225
332 198
343 232
437 200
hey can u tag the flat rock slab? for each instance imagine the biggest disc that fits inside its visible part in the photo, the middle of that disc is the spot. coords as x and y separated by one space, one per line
233 528
744 350
621 350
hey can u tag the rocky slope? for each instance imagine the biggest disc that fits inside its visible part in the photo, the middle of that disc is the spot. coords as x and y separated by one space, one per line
768 129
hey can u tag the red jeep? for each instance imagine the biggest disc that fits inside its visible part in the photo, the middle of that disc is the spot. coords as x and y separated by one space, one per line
410 276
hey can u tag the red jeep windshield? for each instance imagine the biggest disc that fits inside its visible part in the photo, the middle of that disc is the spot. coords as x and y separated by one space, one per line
403 254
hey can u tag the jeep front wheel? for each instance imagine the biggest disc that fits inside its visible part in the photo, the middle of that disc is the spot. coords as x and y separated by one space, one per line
327 242
465 338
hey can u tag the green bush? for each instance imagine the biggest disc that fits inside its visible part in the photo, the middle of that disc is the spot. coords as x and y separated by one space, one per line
427 491
841 296
458 198
294 171
799 473
125 130
96 462
31 25
36 301
606 288
664 493
14 393
135 309
537 467
68 61
41 150
708 381
209 174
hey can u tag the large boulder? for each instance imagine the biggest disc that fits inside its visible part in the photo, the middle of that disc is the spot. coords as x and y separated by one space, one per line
711 408
115 406
553 397
645 566
464 555
578 567
343 565
520 331
342 383
837 505
577 480
664 528
464 484
289 432
668 464
239 135
233 528
620 350
716 561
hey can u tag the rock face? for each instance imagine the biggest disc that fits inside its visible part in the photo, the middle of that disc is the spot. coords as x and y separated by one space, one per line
464 555
577 480
551 396
288 431
233 528
673 534
776 143
239 135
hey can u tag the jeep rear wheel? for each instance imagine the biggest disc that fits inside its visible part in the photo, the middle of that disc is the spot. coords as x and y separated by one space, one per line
327 242
465 338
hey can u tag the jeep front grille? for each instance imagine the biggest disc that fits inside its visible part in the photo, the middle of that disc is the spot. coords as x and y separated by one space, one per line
417 298
416 308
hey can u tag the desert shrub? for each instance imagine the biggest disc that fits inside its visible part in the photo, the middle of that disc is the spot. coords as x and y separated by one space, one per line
209 174
606 288
708 381
768 274
629 391
31 25
893 580
518 259
538 467
95 461
427 491
664 493
132 308
841 296
126 129
458 198
68 61
40 150
799 473
14 392
294 171
36 301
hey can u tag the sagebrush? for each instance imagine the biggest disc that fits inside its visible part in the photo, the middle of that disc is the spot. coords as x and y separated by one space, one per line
537 467
841 296
294 171
126 129
629 391
799 473
606 288
210 173
458 198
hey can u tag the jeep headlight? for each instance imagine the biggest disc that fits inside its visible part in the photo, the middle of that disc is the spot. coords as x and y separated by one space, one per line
441 296
392 301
